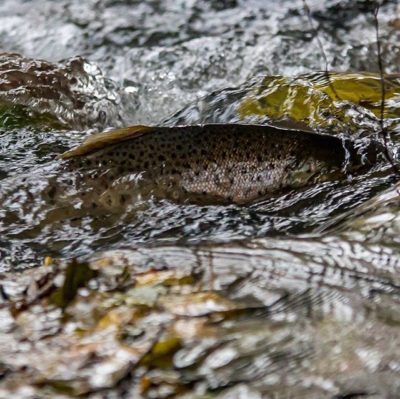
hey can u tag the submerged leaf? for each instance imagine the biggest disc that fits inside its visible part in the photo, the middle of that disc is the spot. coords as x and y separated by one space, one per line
166 278
198 304
162 352
77 275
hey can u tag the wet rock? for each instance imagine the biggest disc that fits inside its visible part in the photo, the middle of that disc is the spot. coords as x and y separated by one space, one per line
73 94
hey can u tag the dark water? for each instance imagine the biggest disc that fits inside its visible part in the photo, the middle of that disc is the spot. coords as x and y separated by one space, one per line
317 270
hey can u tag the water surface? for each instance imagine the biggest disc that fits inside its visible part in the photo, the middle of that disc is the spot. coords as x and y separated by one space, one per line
292 296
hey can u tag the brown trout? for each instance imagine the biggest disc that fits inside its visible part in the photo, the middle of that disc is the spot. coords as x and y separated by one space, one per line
212 164
208 164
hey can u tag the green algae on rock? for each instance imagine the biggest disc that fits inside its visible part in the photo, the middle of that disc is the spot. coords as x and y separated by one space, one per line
18 116
324 100
329 102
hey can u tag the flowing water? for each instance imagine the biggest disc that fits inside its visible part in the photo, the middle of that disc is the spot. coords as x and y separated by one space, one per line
294 296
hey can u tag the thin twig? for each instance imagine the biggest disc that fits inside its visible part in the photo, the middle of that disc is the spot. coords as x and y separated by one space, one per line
381 70
383 131
321 47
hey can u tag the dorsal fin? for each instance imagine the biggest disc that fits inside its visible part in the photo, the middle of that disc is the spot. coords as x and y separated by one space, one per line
104 139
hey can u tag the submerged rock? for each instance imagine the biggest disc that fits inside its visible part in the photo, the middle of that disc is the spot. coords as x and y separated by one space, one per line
332 103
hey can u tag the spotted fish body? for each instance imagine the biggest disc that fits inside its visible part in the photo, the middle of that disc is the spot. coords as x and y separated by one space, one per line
209 164
114 172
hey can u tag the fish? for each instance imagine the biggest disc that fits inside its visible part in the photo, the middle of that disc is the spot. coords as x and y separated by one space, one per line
216 163
117 173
